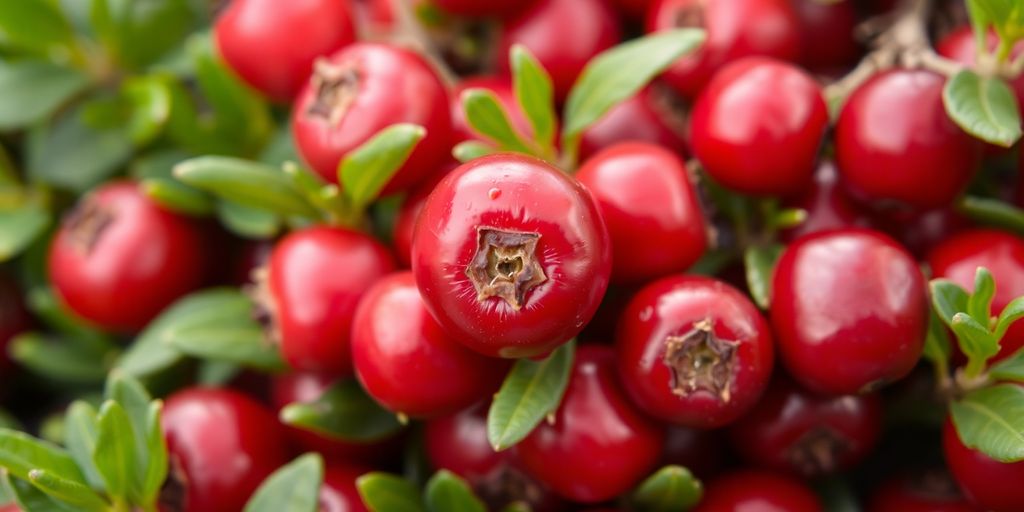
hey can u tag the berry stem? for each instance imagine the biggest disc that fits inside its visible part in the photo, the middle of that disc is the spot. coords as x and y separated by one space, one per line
412 34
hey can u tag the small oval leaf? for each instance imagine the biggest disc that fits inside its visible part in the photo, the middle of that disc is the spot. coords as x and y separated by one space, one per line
535 94
992 420
248 183
760 264
671 489
984 107
382 492
295 487
447 492
344 411
487 116
365 170
531 391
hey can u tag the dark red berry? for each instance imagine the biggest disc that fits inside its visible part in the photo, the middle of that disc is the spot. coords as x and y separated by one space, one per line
652 115
932 491
827 205
995 486
338 492
758 491
272 44
316 278
694 351
633 8
511 255
701 451
896 144
599 445
222 445
361 90
478 9
118 258
795 431
651 209
850 310
921 231
757 126
827 34
502 88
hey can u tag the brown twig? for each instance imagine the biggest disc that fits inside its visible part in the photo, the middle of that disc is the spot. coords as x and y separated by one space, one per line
412 34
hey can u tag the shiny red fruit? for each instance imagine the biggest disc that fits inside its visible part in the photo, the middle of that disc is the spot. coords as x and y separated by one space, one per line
758 491
896 144
995 486
407 363
646 199
1002 253
221 444
757 127
316 278
118 258
735 29
511 256
933 491
850 310
272 44
482 9
409 213
338 492
599 445
653 115
361 90
827 205
827 34
694 351
563 35
795 431
502 89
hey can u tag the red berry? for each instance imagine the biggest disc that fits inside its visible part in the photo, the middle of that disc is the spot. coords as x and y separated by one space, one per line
652 212
827 205
478 9
827 34
563 35
994 485
758 491
272 44
361 90
959 257
795 431
502 88
222 445
406 361
338 492
118 258
933 491
652 115
599 445
316 278
735 29
757 127
850 310
511 256
694 351
409 212
895 143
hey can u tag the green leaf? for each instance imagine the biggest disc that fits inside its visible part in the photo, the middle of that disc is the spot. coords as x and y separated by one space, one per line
295 487
531 391
216 373
936 343
149 100
248 222
992 212
20 226
114 453
140 31
30 499
72 155
133 397
72 493
976 341
671 489
1011 313
21 453
948 299
535 94
620 72
446 492
235 343
382 492
979 304
345 412
156 449
472 149
1009 369
80 432
487 117
760 263
34 25
365 170
992 420
33 90
984 107
175 196
247 183
57 359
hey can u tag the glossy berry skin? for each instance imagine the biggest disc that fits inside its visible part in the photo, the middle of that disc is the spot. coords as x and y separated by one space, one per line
895 143
543 29
828 206
312 302
502 88
795 431
119 259
409 213
694 351
407 363
651 115
757 126
223 443
362 89
827 34
735 29
511 256
272 44
1002 253
930 492
993 485
338 492
850 310
599 445
759 491
651 209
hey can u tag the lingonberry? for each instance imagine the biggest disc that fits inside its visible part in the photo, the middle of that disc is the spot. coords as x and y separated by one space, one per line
511 255
542 28
995 486
478 9
850 310
272 45
735 29
827 205
757 126
362 89
652 115
118 258
338 492
599 445
959 257
652 212
931 491
222 445
409 212
502 88
314 281
895 142
827 34
407 363
760 491
795 431
694 351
